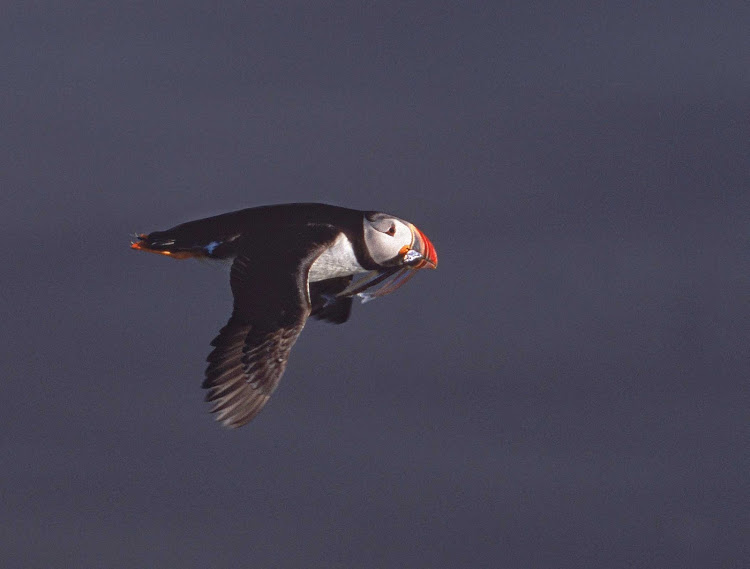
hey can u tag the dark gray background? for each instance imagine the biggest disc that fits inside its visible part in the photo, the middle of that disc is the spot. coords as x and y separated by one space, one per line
568 389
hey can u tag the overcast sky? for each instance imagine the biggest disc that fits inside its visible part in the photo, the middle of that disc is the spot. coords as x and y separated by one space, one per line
568 389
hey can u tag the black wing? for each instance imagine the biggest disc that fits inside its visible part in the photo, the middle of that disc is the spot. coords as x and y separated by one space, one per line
271 306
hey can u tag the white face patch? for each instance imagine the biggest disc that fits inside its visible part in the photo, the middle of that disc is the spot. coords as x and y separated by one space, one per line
338 260
385 237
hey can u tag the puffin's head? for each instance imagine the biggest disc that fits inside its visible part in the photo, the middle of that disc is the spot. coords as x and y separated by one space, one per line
393 242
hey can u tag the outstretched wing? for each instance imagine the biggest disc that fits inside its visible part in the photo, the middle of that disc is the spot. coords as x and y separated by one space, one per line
271 306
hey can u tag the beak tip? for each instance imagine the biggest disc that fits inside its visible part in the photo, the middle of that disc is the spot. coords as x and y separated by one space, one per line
427 249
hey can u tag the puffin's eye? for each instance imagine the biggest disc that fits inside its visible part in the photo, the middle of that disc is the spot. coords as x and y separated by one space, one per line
384 225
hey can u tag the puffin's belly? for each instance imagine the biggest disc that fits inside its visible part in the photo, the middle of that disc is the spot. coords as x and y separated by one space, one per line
338 260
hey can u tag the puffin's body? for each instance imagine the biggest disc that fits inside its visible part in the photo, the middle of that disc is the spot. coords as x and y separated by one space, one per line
289 262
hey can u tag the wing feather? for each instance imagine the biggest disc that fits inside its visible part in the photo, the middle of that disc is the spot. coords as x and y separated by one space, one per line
271 306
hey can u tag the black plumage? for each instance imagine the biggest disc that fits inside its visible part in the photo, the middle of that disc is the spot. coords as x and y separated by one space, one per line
273 249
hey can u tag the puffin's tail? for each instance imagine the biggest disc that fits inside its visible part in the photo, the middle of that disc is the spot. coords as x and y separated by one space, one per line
157 242
187 241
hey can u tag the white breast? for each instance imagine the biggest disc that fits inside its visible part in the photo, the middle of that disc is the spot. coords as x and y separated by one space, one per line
338 260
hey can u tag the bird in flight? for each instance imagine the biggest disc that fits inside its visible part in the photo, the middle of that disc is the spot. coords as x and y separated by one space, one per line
288 262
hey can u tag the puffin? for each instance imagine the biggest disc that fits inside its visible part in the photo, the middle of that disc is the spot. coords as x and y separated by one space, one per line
289 262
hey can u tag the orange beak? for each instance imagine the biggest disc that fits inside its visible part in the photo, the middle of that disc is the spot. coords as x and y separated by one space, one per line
424 247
